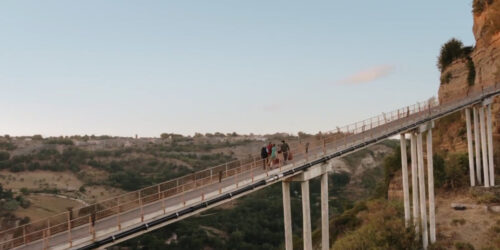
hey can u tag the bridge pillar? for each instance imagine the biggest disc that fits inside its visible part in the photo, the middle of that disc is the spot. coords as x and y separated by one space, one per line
477 144
306 216
303 178
484 147
421 181
406 192
490 144
287 212
325 220
414 181
430 182
469 148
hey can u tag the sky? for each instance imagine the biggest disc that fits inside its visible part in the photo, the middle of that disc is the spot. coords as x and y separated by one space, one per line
147 67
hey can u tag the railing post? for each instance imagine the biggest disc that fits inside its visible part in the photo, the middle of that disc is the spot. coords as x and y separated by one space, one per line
252 167
236 178
44 240
69 229
24 234
48 231
211 175
159 192
118 221
140 205
183 198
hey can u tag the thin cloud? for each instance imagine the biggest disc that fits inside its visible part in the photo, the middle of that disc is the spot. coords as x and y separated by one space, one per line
368 75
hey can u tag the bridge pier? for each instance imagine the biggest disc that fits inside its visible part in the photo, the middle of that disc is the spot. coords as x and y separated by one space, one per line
484 147
477 145
469 148
303 178
490 143
406 192
483 142
287 213
414 181
418 183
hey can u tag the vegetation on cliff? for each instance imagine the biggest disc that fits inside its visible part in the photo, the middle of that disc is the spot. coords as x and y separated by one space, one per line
478 6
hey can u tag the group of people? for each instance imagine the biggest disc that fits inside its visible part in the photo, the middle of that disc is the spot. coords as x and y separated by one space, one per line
270 154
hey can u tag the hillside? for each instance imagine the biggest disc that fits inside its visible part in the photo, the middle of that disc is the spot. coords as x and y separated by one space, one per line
55 174
256 221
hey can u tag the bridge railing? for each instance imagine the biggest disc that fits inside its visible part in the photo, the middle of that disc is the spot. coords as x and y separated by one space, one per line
302 148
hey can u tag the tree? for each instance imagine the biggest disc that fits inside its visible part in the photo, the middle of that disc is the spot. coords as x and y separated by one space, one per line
37 137
4 156
450 51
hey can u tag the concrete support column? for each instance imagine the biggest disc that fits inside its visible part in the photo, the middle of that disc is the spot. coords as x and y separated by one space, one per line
477 146
414 181
469 148
490 146
430 182
306 216
287 214
325 221
421 180
406 191
484 147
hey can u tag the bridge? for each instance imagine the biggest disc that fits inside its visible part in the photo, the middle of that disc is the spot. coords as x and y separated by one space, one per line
129 215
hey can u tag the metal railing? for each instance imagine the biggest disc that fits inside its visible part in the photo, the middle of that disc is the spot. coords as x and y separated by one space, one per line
302 148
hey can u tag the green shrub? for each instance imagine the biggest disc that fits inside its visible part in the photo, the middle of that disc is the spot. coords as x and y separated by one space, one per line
478 6
25 191
59 141
4 156
7 146
450 51
382 228
456 169
439 173
10 205
446 78
471 75
463 246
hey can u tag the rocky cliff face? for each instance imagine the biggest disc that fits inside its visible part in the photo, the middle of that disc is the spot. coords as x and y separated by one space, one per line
486 62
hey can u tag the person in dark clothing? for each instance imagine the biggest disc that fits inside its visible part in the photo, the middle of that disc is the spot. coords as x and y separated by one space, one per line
263 155
285 149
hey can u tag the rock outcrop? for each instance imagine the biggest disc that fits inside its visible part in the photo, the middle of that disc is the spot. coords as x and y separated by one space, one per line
486 63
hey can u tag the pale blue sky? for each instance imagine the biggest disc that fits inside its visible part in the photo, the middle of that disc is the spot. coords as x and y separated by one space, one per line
147 67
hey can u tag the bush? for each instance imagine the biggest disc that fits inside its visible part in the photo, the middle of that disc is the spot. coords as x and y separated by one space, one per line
10 205
463 246
439 173
446 78
478 6
456 169
382 228
471 75
59 141
4 156
450 51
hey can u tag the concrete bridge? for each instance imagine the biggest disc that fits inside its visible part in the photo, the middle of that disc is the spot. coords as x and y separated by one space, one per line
129 215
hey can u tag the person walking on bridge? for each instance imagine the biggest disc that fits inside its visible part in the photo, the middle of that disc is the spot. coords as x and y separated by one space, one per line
285 148
274 154
263 155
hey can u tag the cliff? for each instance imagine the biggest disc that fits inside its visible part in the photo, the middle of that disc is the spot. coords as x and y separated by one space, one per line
484 61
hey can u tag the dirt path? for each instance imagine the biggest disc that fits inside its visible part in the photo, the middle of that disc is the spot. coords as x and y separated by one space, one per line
475 225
